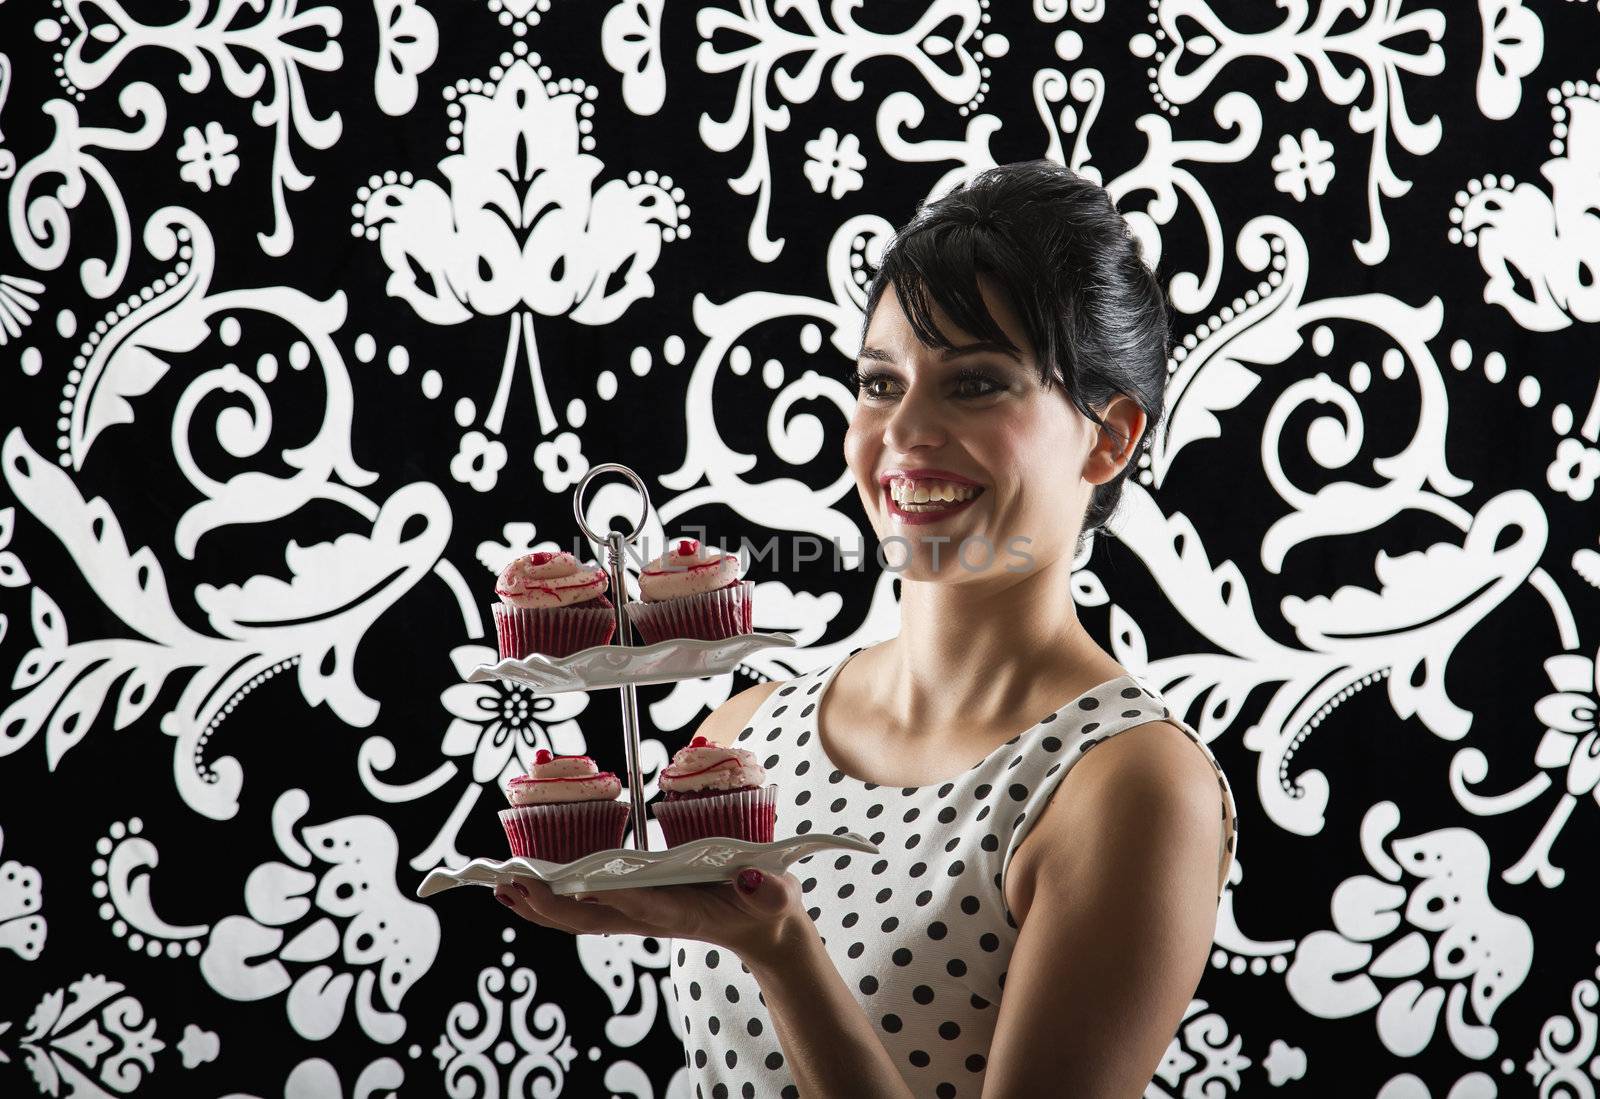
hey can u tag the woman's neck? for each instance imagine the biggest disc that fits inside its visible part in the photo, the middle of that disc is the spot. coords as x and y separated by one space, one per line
986 648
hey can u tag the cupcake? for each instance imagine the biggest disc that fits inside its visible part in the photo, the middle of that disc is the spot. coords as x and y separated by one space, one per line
551 605
708 790
564 808
692 591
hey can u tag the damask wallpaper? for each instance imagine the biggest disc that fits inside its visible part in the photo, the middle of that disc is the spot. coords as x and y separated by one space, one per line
312 314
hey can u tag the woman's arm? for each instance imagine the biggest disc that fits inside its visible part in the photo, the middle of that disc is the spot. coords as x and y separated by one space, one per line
1119 911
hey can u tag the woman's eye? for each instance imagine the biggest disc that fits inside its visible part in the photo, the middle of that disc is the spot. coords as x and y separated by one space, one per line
967 386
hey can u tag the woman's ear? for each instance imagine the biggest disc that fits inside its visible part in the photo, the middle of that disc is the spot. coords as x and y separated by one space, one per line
1115 448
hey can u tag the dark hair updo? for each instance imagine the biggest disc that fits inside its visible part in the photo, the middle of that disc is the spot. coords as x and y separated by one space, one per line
1073 271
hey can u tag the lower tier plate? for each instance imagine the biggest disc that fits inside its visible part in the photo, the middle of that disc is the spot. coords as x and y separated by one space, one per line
714 859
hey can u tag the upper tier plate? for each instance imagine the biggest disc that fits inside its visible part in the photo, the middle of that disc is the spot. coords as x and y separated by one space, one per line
618 665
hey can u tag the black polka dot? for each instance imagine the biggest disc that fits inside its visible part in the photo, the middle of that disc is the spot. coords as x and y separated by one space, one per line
846 889
956 967
802 767
838 804
919 1058
1053 769
699 1058
790 1092
694 990
715 1024
913 839
983 812
1131 713
1091 727
814 913
770 762
807 712
754 1027
802 797
713 958
979 1002
775 1060
975 1063
850 919
841 830
884 895
876 838
869 984
969 905
775 734
803 827
732 994
989 941
1051 744
937 930
855 950
923 898
874 811
982 791
902 957
836 776
891 1023
890 924
947 814
944 791
1090 703
1014 764
748 1091
1018 791
919 869
1048 718
880 866
1131 692
802 738
907 791
732 1059
808 885
956 868
789 690
922 994
955 841
949 1031
912 814
990 842
682 955
946 1090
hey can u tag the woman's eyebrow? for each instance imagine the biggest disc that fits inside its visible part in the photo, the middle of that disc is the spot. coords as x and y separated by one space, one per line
877 354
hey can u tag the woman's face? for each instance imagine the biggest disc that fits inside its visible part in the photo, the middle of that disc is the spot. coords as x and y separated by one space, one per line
1020 459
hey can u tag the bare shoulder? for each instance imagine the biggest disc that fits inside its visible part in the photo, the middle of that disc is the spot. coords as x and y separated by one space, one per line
1151 784
728 720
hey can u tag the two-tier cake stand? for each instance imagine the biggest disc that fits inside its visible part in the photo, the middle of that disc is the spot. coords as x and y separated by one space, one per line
628 666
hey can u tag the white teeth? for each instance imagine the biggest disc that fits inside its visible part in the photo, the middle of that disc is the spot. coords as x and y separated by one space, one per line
933 493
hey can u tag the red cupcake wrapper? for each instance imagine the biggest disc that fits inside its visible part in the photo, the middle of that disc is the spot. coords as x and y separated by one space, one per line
740 814
709 616
553 631
566 830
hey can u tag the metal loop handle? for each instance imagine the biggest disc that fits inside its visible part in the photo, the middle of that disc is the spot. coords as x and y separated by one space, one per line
638 483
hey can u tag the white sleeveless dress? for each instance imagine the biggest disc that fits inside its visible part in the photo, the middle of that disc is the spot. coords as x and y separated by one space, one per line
920 932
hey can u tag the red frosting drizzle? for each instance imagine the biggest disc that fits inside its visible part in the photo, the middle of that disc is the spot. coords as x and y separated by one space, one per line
544 755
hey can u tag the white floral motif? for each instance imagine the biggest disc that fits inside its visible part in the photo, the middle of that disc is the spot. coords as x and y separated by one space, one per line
562 462
540 240
478 461
408 43
209 158
501 725
1513 43
386 943
73 1046
1574 468
1204 1034
834 162
505 1027
1308 160
630 37
1480 954
519 540
22 928
198 1047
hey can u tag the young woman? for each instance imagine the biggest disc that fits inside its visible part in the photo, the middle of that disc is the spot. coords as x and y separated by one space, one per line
1039 915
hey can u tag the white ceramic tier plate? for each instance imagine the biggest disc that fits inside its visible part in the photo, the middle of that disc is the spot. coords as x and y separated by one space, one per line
716 858
618 665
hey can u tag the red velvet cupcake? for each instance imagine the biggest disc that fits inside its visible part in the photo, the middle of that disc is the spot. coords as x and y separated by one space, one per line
563 809
692 591
708 790
551 605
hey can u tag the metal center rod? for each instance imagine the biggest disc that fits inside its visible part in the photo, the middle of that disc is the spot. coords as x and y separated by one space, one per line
630 697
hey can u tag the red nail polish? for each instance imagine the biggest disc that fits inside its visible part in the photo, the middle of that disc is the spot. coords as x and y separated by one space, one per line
505 900
750 880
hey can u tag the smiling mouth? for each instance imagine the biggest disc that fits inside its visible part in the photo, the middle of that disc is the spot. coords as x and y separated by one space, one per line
936 498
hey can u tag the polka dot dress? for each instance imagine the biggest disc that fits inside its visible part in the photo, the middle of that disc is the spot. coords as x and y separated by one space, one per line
920 932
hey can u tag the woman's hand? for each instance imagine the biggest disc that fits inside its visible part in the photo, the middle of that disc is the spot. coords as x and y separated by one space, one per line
756 915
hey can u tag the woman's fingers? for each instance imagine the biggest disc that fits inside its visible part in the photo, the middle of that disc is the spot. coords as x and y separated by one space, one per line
665 909
534 900
509 894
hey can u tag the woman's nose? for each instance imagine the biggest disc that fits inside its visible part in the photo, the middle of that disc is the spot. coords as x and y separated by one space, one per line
915 420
